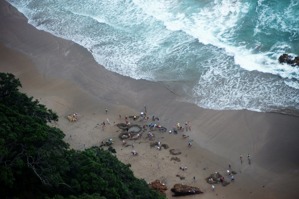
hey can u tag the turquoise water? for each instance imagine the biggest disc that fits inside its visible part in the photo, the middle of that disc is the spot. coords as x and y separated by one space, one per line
224 52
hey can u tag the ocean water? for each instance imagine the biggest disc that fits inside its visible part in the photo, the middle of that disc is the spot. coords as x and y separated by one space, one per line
224 53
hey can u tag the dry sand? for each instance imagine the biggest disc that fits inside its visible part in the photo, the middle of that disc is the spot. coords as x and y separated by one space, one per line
64 76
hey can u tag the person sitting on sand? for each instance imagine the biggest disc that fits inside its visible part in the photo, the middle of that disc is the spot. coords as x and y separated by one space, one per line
232 178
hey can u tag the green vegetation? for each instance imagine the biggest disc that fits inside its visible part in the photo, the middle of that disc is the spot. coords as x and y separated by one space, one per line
35 162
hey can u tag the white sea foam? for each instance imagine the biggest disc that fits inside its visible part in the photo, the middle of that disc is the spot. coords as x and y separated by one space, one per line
222 87
158 40
215 25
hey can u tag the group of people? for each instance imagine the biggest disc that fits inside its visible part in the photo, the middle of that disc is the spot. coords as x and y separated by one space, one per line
248 158
181 128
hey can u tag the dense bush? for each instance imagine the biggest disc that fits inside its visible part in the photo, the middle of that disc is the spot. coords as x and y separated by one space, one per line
35 162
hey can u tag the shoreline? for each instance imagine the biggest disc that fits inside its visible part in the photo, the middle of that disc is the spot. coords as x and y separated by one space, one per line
50 69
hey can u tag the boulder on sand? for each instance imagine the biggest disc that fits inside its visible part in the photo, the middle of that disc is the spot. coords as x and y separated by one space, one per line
184 190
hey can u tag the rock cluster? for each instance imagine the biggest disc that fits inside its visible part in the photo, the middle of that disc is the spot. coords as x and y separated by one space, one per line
288 59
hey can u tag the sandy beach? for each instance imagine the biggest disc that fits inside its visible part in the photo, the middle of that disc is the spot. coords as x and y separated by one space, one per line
65 77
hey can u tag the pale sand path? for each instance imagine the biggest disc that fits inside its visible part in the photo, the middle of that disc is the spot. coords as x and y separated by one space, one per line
65 77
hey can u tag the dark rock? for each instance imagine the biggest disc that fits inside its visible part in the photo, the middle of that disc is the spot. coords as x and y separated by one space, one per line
288 59
184 190
283 58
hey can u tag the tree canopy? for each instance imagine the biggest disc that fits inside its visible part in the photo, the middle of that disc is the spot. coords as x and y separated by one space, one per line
35 162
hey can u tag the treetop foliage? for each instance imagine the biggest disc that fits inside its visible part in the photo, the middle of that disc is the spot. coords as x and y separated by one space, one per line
35 162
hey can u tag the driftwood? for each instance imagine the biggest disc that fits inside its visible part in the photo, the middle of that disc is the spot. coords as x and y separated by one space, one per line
175 159
175 152
181 177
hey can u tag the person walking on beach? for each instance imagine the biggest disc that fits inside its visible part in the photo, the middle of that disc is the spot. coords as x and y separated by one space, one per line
241 159
106 110
213 187
189 125
249 159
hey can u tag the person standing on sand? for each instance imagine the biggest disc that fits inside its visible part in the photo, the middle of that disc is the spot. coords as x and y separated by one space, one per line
186 126
241 159
103 126
228 172
249 160
106 110
213 187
